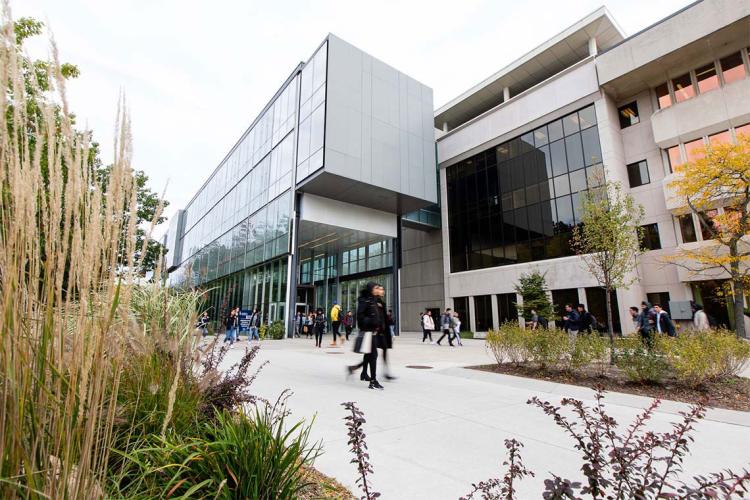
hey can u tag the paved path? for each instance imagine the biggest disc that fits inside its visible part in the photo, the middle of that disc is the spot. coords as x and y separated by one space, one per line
431 433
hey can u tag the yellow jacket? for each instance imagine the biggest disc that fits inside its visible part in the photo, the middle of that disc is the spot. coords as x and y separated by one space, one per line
335 312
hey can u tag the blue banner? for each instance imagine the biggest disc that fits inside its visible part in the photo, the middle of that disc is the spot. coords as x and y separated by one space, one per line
245 315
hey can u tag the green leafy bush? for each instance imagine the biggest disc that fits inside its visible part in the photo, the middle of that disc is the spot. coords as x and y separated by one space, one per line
548 348
233 456
590 349
698 357
509 343
276 330
639 363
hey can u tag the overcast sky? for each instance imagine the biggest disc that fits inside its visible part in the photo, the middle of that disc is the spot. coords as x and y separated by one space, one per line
197 73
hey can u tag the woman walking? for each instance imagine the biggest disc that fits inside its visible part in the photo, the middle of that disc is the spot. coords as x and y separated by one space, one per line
320 327
348 324
371 318
457 328
428 325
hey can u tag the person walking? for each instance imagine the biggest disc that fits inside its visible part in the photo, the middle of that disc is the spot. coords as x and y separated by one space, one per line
370 318
534 320
390 322
348 324
320 327
445 325
586 320
646 324
202 324
307 328
230 325
571 324
635 316
456 325
299 321
428 325
335 322
664 323
254 325
700 318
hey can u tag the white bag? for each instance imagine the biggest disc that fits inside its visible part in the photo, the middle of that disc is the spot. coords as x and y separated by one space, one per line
363 342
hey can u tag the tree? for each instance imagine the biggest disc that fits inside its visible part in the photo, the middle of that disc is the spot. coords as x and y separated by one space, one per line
149 205
608 240
532 286
39 78
720 177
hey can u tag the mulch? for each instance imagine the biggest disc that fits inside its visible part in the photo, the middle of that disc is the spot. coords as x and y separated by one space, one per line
323 487
731 394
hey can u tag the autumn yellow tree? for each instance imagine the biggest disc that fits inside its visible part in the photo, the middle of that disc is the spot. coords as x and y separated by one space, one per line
720 178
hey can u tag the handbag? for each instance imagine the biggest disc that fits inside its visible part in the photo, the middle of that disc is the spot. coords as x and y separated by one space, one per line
363 342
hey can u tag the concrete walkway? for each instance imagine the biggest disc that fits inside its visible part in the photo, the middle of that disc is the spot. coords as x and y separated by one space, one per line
433 432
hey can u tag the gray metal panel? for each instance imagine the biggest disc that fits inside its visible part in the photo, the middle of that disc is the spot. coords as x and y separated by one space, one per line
379 128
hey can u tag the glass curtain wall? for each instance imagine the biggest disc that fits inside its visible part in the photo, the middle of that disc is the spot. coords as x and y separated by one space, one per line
312 114
518 201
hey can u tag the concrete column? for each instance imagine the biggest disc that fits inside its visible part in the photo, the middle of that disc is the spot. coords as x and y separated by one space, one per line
506 93
593 50
472 314
582 297
553 320
495 315
519 302
445 126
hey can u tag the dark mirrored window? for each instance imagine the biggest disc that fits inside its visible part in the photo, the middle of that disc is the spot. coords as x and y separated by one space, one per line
732 68
482 313
650 237
662 96
687 228
518 201
707 78
683 88
638 174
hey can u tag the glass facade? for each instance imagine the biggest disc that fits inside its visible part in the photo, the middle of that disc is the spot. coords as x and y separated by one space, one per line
312 114
518 201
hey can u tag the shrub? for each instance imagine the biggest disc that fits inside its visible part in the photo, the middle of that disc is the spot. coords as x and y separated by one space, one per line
276 330
262 331
590 349
509 344
548 348
698 357
639 363
232 456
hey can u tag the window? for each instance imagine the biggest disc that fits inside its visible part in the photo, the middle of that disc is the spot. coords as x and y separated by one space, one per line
506 308
707 78
743 130
720 138
675 158
628 114
650 237
662 96
687 228
706 221
513 203
732 68
461 306
694 150
661 298
638 174
683 88
482 312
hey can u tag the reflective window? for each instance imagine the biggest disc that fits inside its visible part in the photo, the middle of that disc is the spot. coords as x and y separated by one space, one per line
312 115
650 237
663 97
706 222
720 138
694 150
483 313
687 228
506 308
732 68
683 88
517 202
638 174
674 156
628 114
707 78
743 130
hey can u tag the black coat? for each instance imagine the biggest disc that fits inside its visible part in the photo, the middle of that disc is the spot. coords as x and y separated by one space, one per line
371 318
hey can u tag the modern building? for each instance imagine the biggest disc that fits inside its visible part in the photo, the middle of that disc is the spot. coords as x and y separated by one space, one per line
306 206
335 182
517 150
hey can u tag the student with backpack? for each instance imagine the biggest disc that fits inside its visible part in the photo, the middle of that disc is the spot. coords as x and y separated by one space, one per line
445 325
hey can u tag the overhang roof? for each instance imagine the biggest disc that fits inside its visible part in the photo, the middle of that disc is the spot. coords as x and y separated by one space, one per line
546 60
